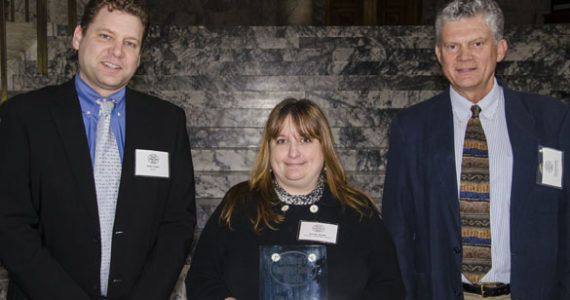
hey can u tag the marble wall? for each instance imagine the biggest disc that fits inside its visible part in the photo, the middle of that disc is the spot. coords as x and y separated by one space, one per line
228 78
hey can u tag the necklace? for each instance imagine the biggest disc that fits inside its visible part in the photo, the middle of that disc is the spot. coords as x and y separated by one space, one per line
313 197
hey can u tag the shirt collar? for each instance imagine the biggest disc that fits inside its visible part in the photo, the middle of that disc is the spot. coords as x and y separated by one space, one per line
462 107
88 96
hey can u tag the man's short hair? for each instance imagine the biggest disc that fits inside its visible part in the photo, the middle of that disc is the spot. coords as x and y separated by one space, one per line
459 9
133 7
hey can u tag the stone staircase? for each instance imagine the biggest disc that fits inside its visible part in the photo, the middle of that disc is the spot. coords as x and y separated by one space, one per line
227 79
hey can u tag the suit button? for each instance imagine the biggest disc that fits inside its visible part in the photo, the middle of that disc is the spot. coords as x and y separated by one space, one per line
117 280
119 233
457 249
457 293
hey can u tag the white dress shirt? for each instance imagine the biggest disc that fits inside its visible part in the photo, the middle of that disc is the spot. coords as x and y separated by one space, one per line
494 124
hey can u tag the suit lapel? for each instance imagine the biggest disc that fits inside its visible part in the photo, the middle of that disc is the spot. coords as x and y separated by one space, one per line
442 153
66 113
524 143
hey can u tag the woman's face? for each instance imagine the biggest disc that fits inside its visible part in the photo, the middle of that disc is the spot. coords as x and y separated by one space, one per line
296 161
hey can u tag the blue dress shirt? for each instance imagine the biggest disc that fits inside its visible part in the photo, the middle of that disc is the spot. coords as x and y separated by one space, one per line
494 121
90 111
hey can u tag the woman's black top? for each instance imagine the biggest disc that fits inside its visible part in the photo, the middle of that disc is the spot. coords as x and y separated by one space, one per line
361 265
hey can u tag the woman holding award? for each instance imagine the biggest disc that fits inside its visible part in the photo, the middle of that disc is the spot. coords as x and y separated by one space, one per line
295 229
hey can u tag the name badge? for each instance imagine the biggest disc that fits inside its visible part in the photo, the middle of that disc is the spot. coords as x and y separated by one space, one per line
317 232
550 167
151 163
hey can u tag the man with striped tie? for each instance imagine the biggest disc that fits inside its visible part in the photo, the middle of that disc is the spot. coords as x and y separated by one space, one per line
476 193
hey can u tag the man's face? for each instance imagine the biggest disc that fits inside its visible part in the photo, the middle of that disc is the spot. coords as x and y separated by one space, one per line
468 55
109 50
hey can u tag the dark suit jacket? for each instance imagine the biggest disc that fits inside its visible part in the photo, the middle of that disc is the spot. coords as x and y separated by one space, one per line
49 226
421 210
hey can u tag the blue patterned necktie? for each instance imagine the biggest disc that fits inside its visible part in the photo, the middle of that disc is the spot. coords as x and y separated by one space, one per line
474 201
107 174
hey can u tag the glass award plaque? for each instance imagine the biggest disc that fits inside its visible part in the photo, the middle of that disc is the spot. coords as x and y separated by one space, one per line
293 272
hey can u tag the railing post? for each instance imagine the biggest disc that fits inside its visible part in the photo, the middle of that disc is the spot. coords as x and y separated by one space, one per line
42 36
27 12
3 50
328 12
12 11
369 12
71 16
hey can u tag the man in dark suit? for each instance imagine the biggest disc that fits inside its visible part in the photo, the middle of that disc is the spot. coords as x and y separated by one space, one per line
96 179
476 193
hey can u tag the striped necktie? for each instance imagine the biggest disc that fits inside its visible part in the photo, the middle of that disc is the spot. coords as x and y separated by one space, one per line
107 174
474 201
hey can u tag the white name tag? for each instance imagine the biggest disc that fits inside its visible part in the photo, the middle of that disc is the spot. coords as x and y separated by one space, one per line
317 232
550 166
151 163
